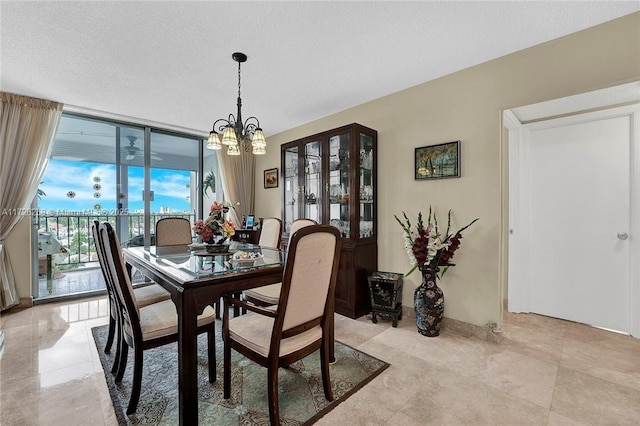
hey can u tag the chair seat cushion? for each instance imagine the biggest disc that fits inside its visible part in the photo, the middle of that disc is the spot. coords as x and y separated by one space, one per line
161 319
268 294
254 332
150 294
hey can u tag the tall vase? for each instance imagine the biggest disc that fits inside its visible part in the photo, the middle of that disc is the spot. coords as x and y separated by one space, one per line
428 302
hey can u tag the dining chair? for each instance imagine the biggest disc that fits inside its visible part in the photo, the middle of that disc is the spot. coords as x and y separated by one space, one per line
145 295
270 236
270 232
301 322
173 231
148 326
270 294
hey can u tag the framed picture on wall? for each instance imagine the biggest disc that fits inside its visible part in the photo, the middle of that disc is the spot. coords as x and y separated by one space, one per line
271 178
438 161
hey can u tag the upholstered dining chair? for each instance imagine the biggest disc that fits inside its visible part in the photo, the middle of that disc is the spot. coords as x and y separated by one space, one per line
148 326
173 231
269 294
145 295
270 236
270 232
300 323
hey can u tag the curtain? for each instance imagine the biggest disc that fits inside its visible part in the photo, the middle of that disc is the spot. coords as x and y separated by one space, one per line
27 128
238 182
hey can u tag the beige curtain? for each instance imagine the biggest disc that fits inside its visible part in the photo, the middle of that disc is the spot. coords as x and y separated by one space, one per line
238 182
27 127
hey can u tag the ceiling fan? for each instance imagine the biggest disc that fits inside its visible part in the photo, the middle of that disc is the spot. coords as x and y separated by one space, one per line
132 151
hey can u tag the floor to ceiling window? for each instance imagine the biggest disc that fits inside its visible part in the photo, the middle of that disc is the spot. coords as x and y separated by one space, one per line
126 174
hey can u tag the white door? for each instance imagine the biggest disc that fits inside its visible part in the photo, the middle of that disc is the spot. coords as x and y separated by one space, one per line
579 219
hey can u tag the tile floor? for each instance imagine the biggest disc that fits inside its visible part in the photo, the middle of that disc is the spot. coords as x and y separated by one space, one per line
545 372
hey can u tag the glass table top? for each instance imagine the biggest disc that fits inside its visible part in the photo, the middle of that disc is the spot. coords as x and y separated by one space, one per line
196 261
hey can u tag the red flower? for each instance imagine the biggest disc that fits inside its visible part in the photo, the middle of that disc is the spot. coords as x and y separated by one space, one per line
447 254
420 247
203 230
217 207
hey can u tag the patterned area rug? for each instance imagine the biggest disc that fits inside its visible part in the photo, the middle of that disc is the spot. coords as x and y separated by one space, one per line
302 400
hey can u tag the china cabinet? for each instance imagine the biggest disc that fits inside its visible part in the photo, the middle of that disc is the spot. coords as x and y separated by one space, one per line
330 177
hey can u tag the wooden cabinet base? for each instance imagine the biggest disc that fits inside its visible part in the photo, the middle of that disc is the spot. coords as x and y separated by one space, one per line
357 262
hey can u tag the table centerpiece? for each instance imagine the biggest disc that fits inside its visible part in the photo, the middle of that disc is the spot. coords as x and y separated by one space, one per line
215 230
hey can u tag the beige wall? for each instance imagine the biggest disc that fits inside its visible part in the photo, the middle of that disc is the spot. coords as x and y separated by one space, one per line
19 249
467 105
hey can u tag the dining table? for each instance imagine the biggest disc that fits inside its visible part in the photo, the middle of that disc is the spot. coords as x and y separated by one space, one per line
196 279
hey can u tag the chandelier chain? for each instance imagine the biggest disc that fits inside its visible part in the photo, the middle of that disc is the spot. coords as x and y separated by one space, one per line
239 78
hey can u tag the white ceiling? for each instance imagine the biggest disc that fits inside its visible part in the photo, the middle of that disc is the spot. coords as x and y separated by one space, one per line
170 62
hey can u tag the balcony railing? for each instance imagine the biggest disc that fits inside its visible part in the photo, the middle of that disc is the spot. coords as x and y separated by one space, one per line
73 231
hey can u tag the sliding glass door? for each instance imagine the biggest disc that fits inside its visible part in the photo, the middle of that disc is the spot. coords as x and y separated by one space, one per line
126 174
174 175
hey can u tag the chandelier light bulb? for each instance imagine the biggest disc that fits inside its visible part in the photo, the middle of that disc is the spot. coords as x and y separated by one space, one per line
229 136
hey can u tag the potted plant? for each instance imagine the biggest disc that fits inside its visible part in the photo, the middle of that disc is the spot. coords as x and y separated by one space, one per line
215 229
431 252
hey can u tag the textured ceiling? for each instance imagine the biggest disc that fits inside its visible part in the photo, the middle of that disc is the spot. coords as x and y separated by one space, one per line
170 62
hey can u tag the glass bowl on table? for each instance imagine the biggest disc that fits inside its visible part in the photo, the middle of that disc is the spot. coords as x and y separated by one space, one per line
245 258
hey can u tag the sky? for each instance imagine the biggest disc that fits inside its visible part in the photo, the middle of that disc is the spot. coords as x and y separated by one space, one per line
82 186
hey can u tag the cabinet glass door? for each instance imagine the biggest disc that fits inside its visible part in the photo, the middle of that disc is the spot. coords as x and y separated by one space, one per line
291 187
367 186
339 185
313 181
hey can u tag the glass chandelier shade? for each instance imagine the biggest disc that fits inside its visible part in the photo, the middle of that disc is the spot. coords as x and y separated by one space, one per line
229 136
214 141
233 150
258 142
234 131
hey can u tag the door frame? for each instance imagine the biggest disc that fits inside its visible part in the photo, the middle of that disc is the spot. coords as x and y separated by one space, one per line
519 282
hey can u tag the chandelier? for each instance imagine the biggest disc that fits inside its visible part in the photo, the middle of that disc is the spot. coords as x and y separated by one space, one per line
233 132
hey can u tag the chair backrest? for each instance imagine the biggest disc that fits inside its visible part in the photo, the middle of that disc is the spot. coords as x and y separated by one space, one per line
113 297
173 231
271 232
308 284
120 277
298 224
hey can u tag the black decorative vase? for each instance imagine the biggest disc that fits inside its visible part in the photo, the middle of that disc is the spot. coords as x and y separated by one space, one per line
428 302
217 244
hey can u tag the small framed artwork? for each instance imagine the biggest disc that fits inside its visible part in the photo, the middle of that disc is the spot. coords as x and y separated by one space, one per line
271 178
438 161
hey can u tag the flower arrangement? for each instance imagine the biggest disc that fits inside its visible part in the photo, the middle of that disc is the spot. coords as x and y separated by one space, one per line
426 246
215 224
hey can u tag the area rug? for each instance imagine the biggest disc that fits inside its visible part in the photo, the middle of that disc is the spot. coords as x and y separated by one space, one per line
302 400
